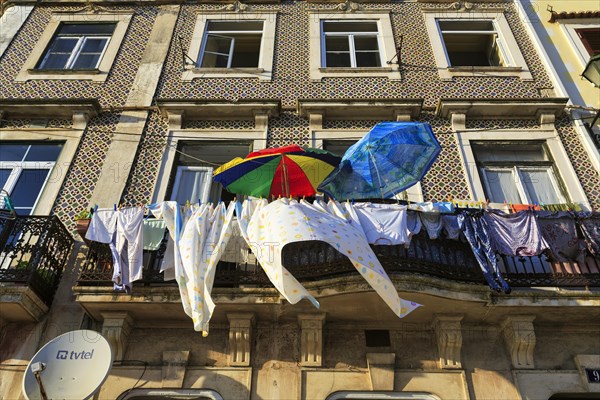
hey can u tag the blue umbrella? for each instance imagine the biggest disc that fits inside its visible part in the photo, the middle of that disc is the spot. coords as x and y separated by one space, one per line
392 157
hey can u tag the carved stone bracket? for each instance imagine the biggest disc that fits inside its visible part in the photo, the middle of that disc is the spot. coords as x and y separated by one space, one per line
237 6
240 338
116 329
381 370
311 339
174 366
449 339
519 335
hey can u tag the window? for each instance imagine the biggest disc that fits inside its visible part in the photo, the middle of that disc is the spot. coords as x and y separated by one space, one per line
474 44
350 44
356 44
471 43
229 46
194 168
518 173
24 170
590 38
77 46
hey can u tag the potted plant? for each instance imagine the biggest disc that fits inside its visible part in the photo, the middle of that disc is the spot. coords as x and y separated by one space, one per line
82 222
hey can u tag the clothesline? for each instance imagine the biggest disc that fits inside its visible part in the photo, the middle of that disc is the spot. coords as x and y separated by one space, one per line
200 233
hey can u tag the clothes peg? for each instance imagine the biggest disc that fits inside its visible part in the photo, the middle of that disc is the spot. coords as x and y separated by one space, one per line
199 202
114 207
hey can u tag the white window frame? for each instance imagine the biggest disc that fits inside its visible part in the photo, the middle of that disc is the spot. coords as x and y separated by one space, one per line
17 168
351 45
263 72
519 179
554 147
223 34
387 47
515 63
76 52
569 27
100 74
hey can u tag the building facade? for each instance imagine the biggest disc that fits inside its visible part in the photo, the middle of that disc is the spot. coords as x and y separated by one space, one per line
115 103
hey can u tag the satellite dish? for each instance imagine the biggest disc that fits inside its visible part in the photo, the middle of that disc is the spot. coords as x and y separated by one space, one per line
71 366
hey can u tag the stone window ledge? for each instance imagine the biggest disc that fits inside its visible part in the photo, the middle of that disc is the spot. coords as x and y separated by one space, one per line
197 73
371 70
63 71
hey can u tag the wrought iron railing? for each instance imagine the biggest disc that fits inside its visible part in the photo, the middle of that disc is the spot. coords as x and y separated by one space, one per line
313 261
34 252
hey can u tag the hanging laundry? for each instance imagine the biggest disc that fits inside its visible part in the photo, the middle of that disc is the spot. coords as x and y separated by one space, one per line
424 207
524 207
385 224
122 230
202 242
475 229
285 221
262 227
103 229
515 234
129 242
559 230
237 250
590 227
561 207
171 266
413 223
451 227
154 233
344 211
432 221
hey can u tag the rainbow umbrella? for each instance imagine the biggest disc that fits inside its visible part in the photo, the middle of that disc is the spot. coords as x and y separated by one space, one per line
282 171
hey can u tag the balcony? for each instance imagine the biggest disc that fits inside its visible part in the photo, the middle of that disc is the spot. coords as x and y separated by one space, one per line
34 252
313 261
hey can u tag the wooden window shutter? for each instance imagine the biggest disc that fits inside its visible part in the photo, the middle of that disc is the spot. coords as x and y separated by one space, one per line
590 37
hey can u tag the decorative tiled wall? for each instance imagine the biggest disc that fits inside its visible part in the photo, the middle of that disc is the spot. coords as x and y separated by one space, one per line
113 92
84 171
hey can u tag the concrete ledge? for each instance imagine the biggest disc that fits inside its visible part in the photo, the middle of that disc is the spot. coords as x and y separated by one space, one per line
20 303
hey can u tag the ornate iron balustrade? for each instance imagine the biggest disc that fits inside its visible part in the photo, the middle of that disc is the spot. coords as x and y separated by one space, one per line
314 261
34 252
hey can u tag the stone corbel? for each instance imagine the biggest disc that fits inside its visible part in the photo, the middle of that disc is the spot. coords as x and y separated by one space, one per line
175 119
240 338
381 370
237 6
174 366
546 119
80 119
311 339
519 335
449 339
116 329
261 121
458 120
316 120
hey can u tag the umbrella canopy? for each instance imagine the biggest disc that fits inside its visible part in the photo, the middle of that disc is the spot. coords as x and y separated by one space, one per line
283 171
392 157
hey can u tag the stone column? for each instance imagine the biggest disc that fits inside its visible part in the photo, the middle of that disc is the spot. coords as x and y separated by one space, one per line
449 339
519 335
240 338
311 339
116 329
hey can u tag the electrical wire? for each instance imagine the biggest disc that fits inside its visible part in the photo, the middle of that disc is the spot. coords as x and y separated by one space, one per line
124 363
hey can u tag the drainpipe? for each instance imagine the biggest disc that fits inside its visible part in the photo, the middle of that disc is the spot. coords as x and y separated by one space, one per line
580 128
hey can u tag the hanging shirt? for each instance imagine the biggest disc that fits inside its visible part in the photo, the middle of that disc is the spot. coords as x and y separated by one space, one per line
515 234
130 246
451 227
103 229
590 227
154 233
384 224
432 222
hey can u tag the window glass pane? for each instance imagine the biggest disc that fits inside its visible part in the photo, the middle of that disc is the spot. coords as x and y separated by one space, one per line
4 175
28 187
56 61
502 187
87 29
510 152
368 59
63 45
94 45
469 50
366 43
86 61
539 186
350 26
211 60
44 152
235 26
466 25
338 147
218 44
337 43
338 60
12 152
